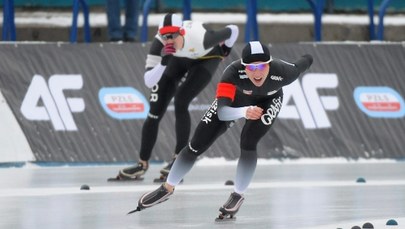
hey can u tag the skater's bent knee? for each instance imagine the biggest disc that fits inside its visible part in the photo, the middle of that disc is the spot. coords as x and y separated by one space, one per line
192 150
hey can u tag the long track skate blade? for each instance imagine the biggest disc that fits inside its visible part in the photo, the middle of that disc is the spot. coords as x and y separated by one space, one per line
117 179
159 180
223 218
162 179
138 209
226 219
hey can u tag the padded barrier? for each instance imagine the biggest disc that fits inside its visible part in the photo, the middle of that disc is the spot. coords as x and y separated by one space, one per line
87 102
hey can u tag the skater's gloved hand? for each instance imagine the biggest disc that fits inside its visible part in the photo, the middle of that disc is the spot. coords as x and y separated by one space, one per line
233 37
254 113
165 60
225 50
304 63
169 49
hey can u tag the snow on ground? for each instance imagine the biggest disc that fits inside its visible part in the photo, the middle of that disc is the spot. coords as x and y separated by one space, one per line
64 19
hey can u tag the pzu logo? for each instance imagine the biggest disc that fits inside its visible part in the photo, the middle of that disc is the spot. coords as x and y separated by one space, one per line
54 105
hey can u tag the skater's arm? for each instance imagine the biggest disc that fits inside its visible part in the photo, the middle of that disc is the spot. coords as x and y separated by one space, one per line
227 35
291 71
225 96
155 64
153 76
304 63
155 53
227 113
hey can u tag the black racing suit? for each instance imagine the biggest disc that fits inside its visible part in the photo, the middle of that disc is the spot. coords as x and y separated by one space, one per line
235 93
196 65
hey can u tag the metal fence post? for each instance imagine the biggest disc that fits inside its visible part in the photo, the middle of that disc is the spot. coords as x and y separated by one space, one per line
317 9
381 15
251 27
8 31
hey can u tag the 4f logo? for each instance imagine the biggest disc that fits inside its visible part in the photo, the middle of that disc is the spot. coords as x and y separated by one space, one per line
309 106
54 105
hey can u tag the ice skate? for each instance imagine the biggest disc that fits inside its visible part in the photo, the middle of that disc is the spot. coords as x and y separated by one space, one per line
231 207
150 199
132 173
164 172
160 179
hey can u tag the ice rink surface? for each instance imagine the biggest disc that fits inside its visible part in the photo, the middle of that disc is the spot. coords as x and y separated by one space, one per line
281 196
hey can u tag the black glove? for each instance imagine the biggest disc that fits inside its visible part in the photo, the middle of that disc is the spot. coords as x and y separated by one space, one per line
165 59
168 51
225 50
304 63
309 58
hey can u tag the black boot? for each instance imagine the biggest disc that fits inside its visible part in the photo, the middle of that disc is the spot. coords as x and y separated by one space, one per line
165 171
150 199
231 206
133 172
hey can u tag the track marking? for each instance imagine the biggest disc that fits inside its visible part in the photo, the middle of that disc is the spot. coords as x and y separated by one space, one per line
13 192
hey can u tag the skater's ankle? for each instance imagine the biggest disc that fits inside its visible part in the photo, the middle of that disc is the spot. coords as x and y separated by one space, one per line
144 163
168 187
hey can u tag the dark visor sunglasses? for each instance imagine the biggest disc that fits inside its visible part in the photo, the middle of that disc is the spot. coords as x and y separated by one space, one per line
168 36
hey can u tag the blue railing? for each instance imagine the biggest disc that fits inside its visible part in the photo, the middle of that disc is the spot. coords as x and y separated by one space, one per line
8 31
251 28
381 14
87 32
317 7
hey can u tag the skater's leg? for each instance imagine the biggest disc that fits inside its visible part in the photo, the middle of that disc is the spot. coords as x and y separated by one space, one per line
252 132
161 95
183 164
198 77
245 170
159 100
244 173
196 80
204 136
